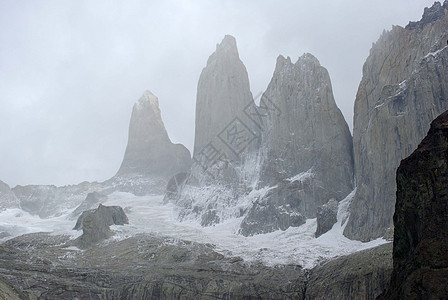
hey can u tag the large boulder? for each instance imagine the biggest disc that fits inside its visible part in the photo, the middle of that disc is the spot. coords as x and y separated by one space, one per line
420 251
403 88
95 224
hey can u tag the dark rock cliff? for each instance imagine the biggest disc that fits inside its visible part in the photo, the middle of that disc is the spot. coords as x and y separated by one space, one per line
420 251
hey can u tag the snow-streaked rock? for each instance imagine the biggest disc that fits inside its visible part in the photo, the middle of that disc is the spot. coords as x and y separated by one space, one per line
308 145
404 87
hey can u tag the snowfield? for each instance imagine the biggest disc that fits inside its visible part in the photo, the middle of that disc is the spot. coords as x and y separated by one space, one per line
148 214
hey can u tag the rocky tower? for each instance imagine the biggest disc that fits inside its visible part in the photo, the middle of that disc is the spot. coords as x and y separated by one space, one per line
223 93
225 137
404 87
310 132
308 144
150 151
420 251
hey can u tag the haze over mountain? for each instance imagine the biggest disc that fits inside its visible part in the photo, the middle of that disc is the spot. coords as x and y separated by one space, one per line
71 71
278 201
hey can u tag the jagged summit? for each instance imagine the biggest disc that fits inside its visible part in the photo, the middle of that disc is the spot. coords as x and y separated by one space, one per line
228 43
308 148
307 60
430 15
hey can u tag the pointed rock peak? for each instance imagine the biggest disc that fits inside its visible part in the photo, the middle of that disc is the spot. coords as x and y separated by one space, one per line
282 60
149 150
282 63
308 58
228 44
148 98
227 48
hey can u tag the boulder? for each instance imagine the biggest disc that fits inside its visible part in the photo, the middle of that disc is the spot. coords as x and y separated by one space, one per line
95 224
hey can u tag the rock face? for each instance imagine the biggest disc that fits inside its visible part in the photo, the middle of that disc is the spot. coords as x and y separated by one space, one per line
176 184
404 87
49 200
95 224
278 209
223 93
308 144
92 200
7 198
420 251
361 275
8 292
326 217
149 151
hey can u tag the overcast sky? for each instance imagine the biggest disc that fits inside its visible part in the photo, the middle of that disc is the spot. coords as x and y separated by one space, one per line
70 71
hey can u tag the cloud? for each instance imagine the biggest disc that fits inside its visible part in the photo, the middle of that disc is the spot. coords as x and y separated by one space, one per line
71 70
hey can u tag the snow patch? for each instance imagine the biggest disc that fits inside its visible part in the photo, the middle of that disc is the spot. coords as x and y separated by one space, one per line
302 176
435 53
148 214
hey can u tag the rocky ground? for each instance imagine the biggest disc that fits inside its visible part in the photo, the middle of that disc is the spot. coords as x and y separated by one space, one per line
44 266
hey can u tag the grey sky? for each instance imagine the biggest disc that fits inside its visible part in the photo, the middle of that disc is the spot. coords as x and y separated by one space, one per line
70 71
